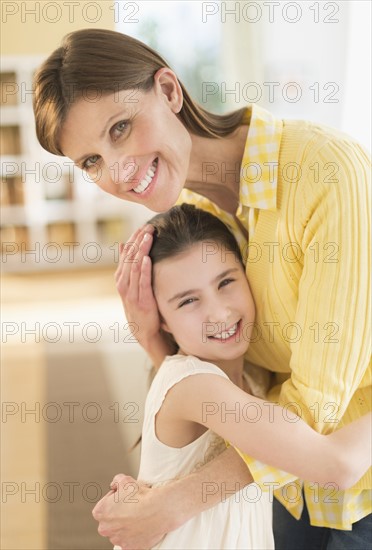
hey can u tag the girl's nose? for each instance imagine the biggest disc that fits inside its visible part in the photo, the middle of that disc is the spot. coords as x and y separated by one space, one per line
219 314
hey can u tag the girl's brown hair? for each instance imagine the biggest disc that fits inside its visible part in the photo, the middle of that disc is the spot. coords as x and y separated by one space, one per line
177 230
183 226
95 62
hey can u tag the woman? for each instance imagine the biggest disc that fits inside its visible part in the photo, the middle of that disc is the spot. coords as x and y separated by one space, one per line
299 191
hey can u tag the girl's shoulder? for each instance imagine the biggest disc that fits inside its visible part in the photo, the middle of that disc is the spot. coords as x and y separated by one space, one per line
176 367
174 370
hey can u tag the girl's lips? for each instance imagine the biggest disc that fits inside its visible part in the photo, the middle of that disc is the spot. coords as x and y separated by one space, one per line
234 337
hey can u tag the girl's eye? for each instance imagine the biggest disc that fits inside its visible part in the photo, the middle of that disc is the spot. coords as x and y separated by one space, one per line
186 302
90 162
225 282
119 129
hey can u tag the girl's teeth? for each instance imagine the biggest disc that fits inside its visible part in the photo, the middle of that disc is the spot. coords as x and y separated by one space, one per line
143 185
227 333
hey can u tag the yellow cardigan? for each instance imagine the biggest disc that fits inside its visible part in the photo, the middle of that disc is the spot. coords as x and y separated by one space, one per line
304 199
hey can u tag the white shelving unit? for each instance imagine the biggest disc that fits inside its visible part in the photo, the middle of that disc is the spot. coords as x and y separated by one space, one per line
52 216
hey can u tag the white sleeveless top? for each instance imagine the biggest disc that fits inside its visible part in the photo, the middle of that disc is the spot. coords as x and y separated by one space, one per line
244 519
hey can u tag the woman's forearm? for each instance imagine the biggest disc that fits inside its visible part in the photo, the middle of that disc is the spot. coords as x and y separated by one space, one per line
354 444
136 516
214 482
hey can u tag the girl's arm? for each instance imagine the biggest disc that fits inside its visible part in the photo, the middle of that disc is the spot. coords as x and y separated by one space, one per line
273 434
133 282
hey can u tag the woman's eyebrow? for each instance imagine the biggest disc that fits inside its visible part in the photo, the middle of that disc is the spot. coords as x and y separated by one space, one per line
192 290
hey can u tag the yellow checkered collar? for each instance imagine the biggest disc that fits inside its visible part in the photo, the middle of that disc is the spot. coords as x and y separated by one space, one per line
259 169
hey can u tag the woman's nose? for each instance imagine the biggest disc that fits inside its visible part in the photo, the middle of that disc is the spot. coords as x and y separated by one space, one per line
123 172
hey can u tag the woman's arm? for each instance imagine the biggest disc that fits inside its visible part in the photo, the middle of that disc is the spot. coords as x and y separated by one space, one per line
122 514
273 434
133 282
330 360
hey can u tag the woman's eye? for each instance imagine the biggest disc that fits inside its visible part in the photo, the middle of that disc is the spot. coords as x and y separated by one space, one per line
119 129
225 282
90 162
186 302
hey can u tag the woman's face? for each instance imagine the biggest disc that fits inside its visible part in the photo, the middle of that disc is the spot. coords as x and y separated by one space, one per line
205 302
131 143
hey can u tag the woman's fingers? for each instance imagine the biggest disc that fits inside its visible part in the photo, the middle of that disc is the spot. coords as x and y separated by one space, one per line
133 282
124 249
146 295
132 253
119 478
135 269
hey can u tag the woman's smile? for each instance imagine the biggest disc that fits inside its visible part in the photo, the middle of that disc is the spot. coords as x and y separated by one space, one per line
137 151
149 177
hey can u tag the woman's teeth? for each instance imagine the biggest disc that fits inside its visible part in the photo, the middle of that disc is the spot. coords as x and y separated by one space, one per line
143 184
226 333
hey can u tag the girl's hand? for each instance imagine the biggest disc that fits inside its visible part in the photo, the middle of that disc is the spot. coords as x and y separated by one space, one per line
133 282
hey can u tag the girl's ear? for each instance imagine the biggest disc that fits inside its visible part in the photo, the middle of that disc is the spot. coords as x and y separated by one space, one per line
164 326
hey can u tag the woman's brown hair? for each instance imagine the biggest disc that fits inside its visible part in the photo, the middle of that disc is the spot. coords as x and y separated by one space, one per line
96 62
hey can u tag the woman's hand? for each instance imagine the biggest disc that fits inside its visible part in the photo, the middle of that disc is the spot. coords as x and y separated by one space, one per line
133 516
133 282
130 514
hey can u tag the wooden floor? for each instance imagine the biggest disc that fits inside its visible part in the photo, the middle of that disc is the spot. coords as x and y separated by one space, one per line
68 372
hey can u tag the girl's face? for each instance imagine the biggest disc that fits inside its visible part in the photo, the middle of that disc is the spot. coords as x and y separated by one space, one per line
205 302
131 143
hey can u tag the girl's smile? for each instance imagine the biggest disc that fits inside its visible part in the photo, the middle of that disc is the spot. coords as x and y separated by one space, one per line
205 304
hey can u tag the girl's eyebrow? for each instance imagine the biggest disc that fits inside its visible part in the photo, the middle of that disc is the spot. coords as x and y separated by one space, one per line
192 290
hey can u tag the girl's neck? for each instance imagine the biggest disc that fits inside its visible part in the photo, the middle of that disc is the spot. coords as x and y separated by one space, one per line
234 370
215 165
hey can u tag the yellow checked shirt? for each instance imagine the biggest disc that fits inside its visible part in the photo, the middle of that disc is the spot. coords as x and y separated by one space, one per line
304 200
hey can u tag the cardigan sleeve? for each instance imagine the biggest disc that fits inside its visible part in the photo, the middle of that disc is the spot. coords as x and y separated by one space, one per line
330 360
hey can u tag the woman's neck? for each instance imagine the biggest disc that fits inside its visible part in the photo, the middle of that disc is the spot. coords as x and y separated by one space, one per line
214 170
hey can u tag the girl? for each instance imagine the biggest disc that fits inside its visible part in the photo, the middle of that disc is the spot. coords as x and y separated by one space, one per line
297 192
206 306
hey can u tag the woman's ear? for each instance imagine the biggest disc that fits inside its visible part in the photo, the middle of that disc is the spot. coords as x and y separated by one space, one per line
166 84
